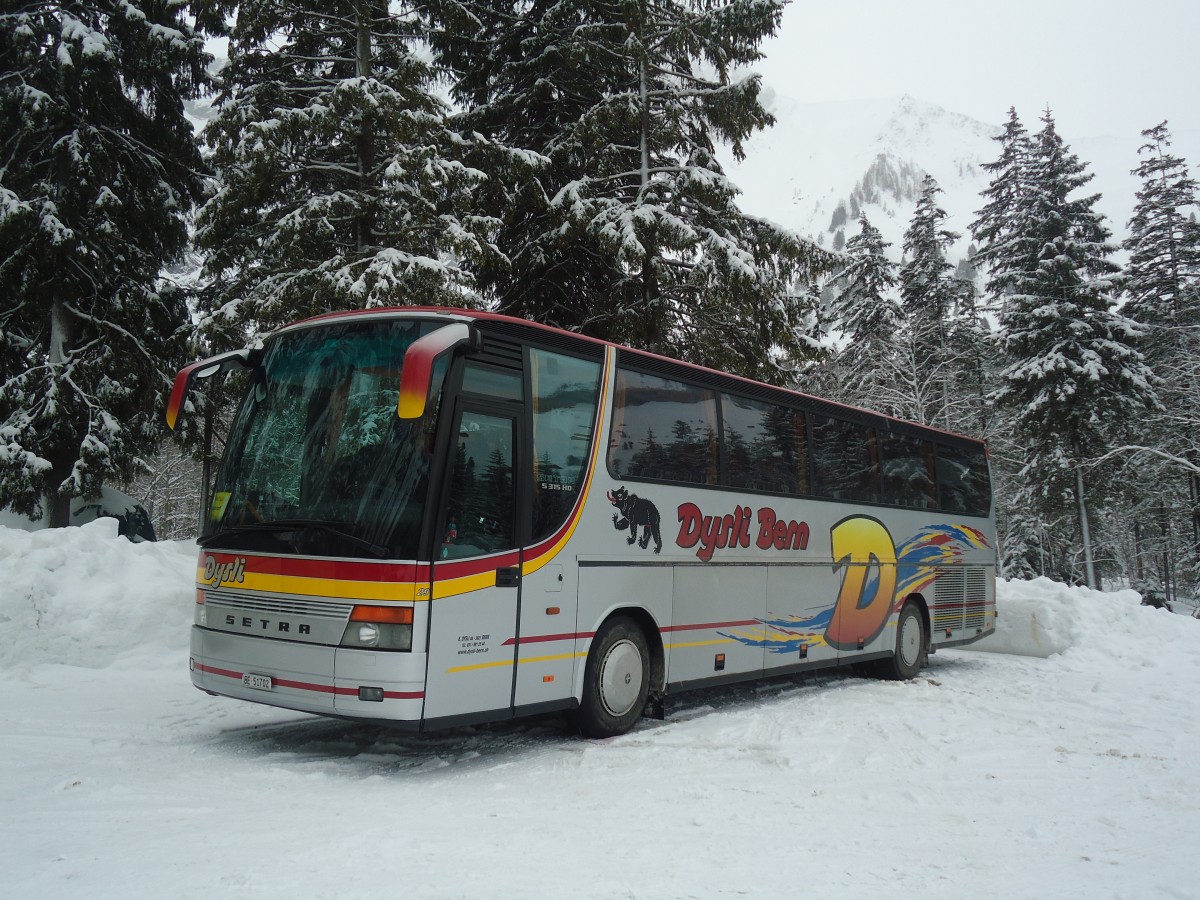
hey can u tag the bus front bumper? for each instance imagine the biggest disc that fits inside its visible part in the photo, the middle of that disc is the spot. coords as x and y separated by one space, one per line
331 681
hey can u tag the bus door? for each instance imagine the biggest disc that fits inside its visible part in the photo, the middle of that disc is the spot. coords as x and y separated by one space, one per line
476 567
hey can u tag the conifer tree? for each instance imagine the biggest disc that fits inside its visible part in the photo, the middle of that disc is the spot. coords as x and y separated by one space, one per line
1000 249
1163 288
340 184
1073 371
1163 243
98 169
630 229
864 306
929 292
866 310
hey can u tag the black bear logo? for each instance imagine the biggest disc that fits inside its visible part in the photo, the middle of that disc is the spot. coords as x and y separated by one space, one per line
636 513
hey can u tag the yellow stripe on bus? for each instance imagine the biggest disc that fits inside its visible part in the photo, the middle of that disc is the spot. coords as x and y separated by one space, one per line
698 644
452 587
340 588
509 662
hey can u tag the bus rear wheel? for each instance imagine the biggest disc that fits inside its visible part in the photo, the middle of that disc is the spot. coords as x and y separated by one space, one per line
912 647
616 680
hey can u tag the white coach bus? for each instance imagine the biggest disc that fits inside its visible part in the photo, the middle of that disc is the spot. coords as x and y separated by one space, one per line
438 517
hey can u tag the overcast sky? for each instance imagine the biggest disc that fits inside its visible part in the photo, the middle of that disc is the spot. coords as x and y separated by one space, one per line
1105 67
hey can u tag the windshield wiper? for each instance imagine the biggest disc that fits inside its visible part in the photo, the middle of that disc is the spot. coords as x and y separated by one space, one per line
337 529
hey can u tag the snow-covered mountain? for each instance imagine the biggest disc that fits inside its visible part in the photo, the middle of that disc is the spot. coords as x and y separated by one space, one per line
823 162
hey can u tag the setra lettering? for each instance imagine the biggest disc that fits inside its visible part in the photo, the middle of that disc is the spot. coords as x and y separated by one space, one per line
267 625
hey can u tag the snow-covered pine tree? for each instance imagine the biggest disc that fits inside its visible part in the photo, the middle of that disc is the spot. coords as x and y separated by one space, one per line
1074 376
98 168
928 293
525 75
1163 287
340 185
1163 243
866 310
865 306
1000 249
631 230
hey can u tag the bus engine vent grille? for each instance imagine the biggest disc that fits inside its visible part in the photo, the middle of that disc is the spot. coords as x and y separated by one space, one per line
314 609
948 594
975 597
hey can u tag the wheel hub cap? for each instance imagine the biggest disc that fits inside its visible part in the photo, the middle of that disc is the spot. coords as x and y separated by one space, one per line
621 678
910 641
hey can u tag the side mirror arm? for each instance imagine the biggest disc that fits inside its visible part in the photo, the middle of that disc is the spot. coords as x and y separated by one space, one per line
207 368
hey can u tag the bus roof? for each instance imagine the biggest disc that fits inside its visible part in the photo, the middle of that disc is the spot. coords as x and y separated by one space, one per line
644 356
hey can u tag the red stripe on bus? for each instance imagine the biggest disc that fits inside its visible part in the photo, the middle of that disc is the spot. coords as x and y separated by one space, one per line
446 571
544 638
334 569
310 686
213 670
705 625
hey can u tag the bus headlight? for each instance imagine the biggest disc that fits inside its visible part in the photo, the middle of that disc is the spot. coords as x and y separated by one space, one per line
379 628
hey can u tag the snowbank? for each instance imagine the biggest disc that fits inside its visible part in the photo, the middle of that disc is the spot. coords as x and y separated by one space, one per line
82 596
1043 617
78 596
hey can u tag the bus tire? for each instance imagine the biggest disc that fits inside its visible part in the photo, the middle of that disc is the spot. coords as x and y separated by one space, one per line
912 645
616 680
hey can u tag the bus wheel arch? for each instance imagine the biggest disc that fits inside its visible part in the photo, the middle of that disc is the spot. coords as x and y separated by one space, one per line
624 664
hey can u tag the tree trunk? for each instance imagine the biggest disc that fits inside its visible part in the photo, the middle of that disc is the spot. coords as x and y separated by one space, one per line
1164 526
1085 532
1139 571
62 459
651 332
206 476
365 221
1194 491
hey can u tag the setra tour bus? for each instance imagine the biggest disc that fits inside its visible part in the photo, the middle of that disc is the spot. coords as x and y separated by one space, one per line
438 517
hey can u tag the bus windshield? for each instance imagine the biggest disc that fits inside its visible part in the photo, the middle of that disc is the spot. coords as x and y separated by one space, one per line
318 462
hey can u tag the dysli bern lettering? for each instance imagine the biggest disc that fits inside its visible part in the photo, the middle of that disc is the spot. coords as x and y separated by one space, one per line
733 529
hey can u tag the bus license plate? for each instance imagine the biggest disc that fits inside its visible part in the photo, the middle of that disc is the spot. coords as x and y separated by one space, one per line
258 682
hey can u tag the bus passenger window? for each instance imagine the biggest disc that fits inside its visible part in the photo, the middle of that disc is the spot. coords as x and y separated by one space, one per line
565 392
845 460
907 472
764 446
663 430
963 484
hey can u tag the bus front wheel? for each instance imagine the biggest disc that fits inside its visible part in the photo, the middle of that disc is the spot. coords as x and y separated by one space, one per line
616 680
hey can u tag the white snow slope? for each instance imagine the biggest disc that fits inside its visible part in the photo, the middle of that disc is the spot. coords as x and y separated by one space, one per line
798 172
1066 763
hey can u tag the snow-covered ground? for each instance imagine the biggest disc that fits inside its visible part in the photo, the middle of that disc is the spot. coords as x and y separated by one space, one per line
1065 763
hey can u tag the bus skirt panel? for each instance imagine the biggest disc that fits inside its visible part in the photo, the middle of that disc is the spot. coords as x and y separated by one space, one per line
319 679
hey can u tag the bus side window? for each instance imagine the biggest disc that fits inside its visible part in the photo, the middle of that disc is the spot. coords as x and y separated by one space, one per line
962 477
565 393
845 460
764 446
907 471
663 430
